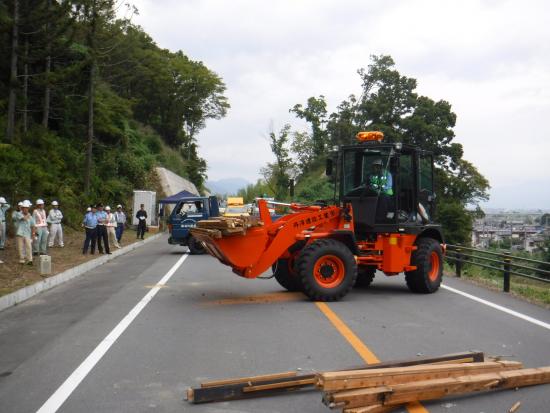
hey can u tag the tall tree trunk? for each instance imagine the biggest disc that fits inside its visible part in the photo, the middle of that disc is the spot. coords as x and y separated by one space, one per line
46 106
90 135
47 69
91 92
26 85
10 128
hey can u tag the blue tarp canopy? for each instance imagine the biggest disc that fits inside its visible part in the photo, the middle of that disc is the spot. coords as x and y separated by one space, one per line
174 199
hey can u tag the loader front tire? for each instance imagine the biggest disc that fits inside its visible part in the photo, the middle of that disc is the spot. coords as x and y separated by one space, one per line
428 259
365 276
285 274
195 246
327 270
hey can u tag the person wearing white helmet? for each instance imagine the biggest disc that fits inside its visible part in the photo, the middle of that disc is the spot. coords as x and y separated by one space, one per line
4 206
55 216
111 225
40 244
120 222
25 232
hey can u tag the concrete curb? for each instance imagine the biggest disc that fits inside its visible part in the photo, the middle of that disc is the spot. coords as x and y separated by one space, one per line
9 300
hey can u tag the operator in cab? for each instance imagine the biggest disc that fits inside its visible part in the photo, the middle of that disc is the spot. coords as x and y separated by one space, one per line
380 180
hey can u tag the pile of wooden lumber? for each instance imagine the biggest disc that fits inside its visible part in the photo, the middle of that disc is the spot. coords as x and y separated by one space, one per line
226 226
384 390
384 387
259 386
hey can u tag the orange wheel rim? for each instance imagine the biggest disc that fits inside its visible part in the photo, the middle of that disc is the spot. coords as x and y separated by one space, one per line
433 275
329 271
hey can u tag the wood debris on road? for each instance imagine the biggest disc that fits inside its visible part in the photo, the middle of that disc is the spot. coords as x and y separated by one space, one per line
258 386
386 394
384 387
515 407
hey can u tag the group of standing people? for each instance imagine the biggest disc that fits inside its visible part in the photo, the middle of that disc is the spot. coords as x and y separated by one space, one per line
37 231
33 237
102 228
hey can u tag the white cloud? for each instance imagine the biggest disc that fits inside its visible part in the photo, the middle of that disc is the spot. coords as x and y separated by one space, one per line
489 59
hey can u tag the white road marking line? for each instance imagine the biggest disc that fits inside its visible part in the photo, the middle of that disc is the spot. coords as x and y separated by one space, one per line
57 399
498 307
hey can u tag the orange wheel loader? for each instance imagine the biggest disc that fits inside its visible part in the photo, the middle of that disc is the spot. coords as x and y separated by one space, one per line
380 220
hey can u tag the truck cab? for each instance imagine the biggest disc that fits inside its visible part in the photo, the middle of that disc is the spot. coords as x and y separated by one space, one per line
185 215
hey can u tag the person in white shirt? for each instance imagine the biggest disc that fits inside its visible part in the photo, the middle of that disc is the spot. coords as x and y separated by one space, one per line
40 245
26 232
120 222
55 216
111 225
4 206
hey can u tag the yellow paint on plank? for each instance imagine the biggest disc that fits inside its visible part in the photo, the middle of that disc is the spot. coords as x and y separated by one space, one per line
366 354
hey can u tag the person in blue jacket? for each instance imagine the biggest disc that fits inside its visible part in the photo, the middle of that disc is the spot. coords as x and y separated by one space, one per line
90 226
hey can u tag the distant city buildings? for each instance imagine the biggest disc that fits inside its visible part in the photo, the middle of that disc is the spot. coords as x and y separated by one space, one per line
513 230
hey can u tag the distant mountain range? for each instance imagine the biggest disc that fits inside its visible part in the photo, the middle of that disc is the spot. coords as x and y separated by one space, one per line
227 186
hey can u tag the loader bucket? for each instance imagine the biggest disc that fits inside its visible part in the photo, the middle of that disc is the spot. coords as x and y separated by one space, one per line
238 251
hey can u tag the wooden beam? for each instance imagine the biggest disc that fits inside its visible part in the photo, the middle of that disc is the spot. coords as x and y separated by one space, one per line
286 385
234 389
375 408
345 380
251 379
439 388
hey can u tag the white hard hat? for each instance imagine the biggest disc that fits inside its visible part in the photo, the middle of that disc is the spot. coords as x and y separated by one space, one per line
39 202
55 203
119 206
107 208
20 203
3 200
26 204
89 209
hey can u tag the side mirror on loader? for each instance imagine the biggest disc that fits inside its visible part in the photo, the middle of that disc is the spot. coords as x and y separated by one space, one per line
328 169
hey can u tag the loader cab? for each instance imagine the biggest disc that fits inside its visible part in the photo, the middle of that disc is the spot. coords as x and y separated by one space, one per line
390 187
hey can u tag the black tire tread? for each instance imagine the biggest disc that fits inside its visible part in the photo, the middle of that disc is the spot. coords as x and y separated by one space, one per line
195 247
418 280
306 260
284 277
365 276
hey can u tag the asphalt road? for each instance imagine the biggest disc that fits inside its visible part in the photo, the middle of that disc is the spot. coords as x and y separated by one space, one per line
206 323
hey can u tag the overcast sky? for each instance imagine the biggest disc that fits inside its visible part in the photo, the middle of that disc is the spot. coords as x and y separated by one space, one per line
490 59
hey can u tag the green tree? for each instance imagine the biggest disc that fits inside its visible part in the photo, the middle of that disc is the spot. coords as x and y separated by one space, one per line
277 175
96 104
257 190
303 150
389 103
315 113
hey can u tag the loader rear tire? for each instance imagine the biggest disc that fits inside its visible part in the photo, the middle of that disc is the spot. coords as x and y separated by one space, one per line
365 276
285 274
195 246
327 270
428 259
